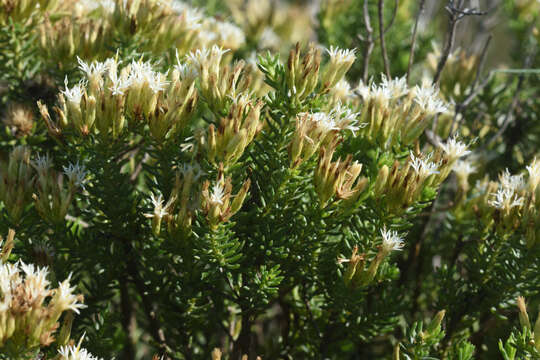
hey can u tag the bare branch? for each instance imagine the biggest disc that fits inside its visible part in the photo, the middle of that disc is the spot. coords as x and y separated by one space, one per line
455 15
369 41
392 20
383 43
415 33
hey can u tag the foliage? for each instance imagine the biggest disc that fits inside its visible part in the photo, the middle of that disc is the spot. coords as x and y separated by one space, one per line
214 185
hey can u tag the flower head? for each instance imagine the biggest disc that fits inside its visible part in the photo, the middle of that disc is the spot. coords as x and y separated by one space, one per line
463 167
391 241
141 73
454 149
160 210
427 97
76 173
42 163
65 299
345 118
341 55
74 94
511 182
218 193
423 167
505 199
397 86
95 68
71 352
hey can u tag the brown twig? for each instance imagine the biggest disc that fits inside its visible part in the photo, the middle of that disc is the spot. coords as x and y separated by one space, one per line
369 41
381 36
392 20
455 15
481 62
414 36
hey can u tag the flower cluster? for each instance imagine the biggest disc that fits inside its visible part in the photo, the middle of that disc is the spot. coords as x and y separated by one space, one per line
395 113
235 131
402 184
16 182
103 102
22 179
510 203
30 308
339 178
219 80
218 203
314 130
356 273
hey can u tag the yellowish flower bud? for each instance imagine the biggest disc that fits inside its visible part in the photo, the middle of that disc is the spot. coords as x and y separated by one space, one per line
523 316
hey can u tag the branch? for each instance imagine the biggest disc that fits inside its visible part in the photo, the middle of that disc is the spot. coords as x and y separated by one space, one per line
381 35
369 42
394 13
455 15
415 34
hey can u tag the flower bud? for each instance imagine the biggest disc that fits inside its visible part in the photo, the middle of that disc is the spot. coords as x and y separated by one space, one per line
340 62
434 327
8 246
302 76
523 316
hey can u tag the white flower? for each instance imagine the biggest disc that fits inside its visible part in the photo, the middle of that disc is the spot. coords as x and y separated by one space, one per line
198 57
218 193
391 240
141 74
427 97
95 68
119 84
454 148
511 182
338 55
74 94
65 298
324 122
71 352
76 173
229 35
190 16
186 71
342 89
463 168
397 86
382 94
42 163
35 282
505 199
423 167
160 210
345 118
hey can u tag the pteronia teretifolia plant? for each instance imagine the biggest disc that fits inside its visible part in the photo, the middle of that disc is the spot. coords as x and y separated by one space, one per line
244 179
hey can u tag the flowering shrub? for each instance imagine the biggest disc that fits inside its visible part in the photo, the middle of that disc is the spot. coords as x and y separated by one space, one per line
255 179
